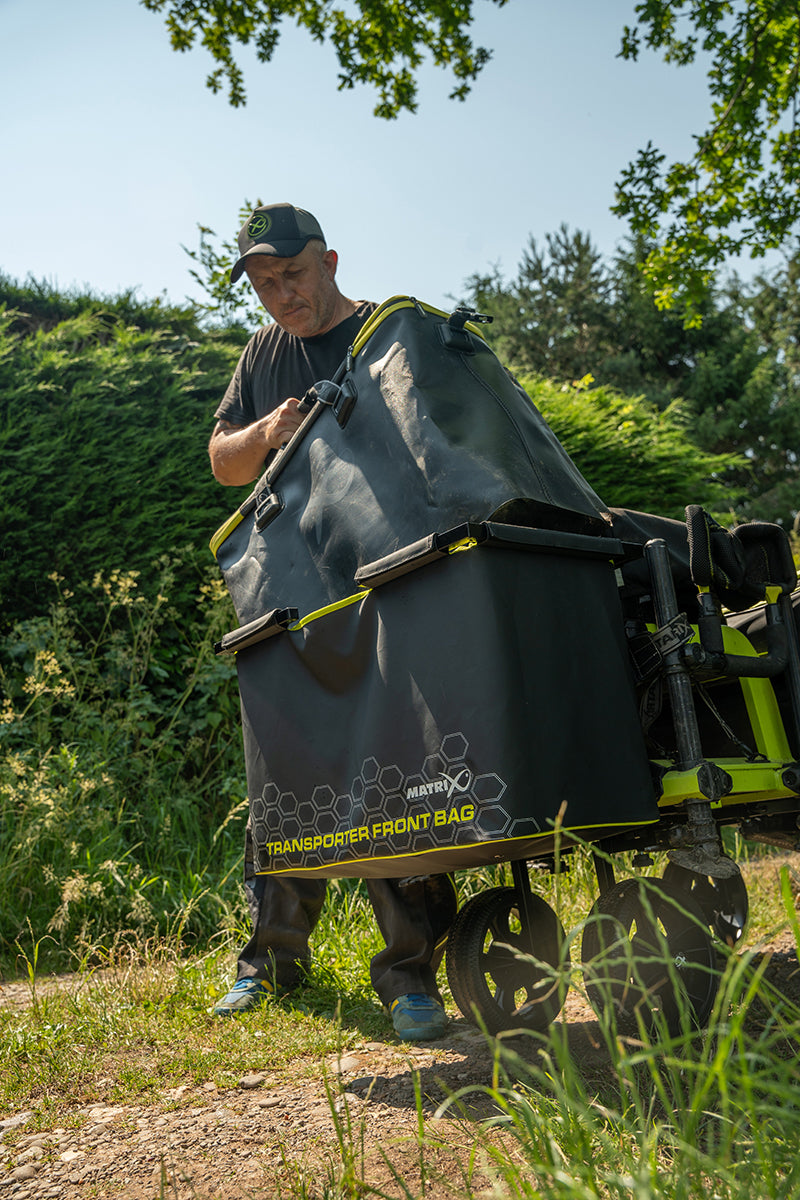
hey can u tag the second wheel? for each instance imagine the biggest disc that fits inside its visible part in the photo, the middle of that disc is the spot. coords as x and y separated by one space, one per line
723 901
647 949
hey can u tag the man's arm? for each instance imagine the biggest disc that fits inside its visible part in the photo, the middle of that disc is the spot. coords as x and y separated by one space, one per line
238 452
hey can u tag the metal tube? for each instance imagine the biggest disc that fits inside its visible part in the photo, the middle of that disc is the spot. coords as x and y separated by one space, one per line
679 684
792 668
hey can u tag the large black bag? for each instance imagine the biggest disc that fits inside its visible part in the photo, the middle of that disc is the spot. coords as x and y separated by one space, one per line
426 430
431 662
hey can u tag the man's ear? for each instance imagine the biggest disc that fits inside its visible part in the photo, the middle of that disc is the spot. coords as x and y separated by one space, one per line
330 260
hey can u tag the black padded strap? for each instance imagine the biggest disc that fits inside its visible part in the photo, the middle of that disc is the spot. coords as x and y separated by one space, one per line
768 555
716 560
738 564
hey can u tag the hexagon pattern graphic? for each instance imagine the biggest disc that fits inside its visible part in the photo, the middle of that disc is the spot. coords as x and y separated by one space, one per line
386 813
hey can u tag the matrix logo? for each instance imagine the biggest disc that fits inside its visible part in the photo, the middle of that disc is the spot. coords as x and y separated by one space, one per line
259 225
446 783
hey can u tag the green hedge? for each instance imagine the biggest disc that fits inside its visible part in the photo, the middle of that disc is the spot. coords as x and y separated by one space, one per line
103 434
633 455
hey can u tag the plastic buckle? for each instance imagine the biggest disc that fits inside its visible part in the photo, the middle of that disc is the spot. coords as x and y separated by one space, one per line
268 506
459 317
340 398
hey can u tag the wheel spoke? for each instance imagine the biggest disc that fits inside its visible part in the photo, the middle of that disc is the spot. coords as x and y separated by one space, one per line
500 961
499 925
500 929
504 998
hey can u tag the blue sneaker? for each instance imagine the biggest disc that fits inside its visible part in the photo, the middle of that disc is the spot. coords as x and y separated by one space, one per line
418 1018
245 994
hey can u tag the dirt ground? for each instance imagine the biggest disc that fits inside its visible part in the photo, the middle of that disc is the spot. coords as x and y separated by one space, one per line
248 1142
245 1141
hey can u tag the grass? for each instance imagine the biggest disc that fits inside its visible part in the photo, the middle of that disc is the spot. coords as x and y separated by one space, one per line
148 1009
714 1113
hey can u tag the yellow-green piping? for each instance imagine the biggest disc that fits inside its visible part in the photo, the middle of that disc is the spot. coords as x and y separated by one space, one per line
467 846
393 305
329 608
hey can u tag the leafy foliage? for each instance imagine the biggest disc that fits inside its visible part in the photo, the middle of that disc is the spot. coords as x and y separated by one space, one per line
103 428
382 44
738 192
734 379
36 304
228 304
740 189
633 455
119 767
774 309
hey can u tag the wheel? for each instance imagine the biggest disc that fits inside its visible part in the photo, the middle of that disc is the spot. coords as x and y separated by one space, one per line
647 949
723 901
489 962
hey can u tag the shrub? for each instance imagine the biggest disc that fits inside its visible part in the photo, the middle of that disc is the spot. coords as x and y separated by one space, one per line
633 455
103 464
120 769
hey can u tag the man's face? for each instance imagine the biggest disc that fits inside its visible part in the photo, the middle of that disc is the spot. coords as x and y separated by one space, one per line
299 293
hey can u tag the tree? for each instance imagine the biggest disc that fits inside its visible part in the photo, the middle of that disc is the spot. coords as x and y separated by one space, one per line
553 319
773 306
567 314
738 192
712 366
735 374
740 189
227 304
382 44
735 377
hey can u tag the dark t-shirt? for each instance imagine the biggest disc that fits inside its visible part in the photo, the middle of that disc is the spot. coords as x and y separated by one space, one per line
276 364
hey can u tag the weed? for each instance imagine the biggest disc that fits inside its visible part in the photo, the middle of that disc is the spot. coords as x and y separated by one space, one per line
121 781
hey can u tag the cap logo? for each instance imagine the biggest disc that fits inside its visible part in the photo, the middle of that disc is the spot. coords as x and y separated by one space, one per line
259 225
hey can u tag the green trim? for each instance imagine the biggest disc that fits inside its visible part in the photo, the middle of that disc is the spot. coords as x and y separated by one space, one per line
329 608
393 305
225 531
467 543
549 833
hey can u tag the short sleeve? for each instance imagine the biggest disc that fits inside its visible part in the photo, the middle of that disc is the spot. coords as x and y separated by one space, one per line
237 403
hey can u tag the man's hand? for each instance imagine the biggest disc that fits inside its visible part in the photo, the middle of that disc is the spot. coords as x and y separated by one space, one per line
238 452
279 425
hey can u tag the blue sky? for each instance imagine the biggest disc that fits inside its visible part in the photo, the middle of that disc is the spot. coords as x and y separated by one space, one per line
114 150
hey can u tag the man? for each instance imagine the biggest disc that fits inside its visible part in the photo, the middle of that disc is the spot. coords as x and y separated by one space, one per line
283 251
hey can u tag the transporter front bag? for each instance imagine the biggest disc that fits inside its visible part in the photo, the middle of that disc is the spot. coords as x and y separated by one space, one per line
431 653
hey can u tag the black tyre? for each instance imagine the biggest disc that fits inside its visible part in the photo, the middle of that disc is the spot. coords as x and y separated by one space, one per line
723 901
490 967
647 950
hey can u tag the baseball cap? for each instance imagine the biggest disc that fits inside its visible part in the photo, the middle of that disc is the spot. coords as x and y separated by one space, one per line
277 229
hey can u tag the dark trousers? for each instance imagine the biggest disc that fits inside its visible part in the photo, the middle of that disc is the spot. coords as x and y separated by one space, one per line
413 916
